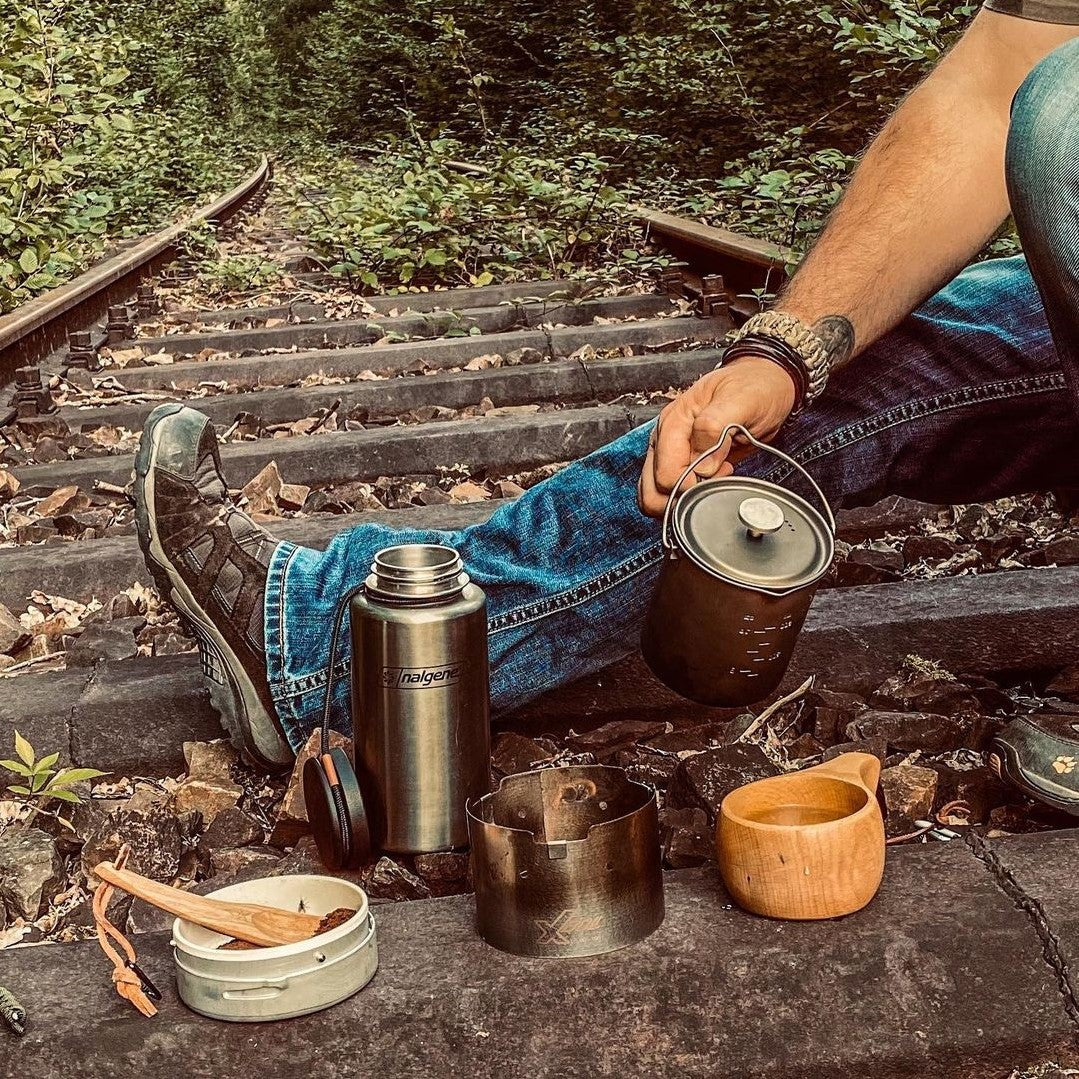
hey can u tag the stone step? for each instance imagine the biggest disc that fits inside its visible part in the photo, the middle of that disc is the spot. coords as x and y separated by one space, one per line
499 444
328 333
942 976
133 716
283 368
453 299
559 380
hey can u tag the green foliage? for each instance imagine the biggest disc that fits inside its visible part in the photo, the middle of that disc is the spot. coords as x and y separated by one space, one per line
113 113
105 125
406 220
41 780
226 274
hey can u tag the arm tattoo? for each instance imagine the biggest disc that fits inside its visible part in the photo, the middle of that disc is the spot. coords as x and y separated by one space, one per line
837 335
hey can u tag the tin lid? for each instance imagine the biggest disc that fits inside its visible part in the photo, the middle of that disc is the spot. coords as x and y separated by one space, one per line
753 533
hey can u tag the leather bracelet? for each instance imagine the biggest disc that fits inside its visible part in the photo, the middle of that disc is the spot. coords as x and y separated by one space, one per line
802 340
778 352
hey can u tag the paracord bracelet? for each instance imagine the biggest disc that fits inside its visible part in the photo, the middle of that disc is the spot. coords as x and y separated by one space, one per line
799 337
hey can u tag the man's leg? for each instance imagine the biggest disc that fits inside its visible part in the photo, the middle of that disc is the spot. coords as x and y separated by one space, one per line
1041 754
965 401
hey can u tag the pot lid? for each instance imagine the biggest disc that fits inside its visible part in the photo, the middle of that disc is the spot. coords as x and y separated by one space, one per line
753 533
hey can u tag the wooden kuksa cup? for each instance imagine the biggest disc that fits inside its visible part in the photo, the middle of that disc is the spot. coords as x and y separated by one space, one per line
804 845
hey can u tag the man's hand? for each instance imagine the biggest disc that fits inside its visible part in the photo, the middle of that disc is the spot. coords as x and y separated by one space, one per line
756 393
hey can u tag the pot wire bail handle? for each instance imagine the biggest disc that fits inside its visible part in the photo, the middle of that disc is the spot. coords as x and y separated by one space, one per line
669 545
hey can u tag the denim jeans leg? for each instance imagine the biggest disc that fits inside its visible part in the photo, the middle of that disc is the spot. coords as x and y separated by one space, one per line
1042 168
965 400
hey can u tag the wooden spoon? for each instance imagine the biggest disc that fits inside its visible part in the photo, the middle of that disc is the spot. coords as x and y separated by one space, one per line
265 926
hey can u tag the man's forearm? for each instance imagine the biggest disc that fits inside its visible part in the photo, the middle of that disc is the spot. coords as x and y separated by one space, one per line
927 196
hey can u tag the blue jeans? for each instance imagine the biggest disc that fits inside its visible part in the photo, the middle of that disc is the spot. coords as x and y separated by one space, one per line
974 396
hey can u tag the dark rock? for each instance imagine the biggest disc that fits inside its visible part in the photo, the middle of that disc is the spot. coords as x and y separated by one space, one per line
242 859
908 792
849 574
907 731
692 739
994 548
1059 552
805 745
37 427
978 787
171 644
1023 819
31 873
882 558
970 524
12 635
444 872
928 549
390 881
705 779
304 858
231 828
101 640
523 355
605 740
291 822
36 531
75 524
686 837
154 837
992 699
1065 683
122 606
915 691
513 753
878 747
432 496
48 450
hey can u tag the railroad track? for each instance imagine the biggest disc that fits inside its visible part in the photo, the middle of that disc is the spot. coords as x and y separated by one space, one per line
497 383
429 409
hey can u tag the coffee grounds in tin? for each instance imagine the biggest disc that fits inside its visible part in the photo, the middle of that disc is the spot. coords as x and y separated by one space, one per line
329 921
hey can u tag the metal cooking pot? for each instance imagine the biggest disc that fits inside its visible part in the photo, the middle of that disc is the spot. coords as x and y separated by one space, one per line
566 862
743 561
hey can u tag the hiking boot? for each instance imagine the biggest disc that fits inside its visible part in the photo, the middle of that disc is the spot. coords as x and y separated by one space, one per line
1040 756
210 561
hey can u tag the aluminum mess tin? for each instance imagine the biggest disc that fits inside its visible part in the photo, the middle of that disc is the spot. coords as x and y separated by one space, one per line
265 984
566 862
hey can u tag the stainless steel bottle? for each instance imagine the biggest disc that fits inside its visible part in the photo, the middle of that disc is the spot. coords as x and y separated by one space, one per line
420 697
743 558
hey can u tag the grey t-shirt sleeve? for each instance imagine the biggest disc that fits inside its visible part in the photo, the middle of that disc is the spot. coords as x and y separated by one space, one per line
1065 12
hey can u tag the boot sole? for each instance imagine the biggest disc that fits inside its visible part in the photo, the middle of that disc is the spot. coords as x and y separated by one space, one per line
1004 762
232 696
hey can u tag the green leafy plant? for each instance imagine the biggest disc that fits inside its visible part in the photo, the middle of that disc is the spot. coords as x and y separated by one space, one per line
42 781
405 219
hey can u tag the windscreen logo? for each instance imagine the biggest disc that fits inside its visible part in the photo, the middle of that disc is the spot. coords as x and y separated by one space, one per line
421 677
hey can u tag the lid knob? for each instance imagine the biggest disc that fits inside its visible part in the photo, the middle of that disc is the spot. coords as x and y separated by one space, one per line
761 516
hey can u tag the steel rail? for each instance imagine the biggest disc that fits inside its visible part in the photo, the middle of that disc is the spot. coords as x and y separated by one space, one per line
33 329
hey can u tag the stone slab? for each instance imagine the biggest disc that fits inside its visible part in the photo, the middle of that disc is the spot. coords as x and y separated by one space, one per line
939 978
282 368
560 380
110 564
141 711
348 331
497 443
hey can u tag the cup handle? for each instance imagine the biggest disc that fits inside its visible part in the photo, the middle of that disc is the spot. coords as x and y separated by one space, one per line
760 446
860 768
